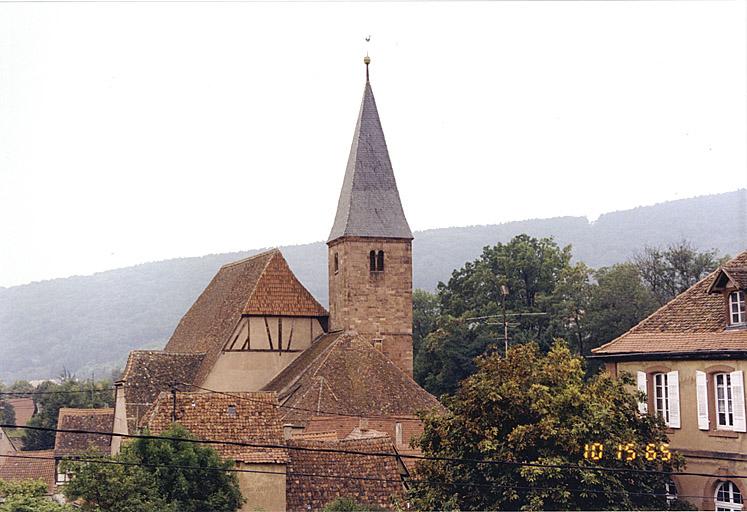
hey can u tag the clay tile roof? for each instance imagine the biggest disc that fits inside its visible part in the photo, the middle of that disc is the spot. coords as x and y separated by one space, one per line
369 203
345 374
260 285
359 433
98 420
251 418
329 435
694 322
31 465
149 372
24 408
310 484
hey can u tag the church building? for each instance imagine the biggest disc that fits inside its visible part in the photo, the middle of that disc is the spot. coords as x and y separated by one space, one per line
337 376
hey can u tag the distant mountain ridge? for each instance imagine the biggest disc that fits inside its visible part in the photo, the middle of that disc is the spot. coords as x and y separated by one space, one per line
88 323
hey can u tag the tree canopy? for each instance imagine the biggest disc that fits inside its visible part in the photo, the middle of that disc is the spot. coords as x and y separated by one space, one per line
153 475
538 409
28 496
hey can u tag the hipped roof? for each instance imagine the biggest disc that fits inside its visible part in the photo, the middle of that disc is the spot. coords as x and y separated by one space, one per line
342 373
369 204
695 322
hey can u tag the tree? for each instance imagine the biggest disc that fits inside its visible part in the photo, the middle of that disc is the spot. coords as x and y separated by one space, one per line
28 496
154 475
124 486
347 505
533 408
570 304
70 393
618 302
425 312
669 272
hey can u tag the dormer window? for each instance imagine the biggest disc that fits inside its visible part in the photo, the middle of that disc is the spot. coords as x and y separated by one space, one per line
231 411
737 308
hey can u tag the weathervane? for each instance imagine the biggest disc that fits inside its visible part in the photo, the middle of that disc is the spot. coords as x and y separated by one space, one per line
367 59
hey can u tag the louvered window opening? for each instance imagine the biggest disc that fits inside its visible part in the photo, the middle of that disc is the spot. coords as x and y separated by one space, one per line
376 261
728 497
661 396
737 308
724 402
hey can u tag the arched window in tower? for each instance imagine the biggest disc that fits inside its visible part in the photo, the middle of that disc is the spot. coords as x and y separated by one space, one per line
372 261
337 263
380 261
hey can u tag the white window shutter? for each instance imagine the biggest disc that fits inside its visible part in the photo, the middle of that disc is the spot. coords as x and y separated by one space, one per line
737 396
701 388
673 385
642 406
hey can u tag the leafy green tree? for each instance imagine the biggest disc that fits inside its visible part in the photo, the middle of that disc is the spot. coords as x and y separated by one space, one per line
191 490
669 272
154 475
618 302
569 306
70 393
425 311
347 505
533 408
28 496
99 486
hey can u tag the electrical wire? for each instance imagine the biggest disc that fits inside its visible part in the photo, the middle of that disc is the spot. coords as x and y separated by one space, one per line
345 477
574 467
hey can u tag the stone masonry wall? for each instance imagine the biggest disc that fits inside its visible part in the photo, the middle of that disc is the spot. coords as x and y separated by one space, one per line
375 304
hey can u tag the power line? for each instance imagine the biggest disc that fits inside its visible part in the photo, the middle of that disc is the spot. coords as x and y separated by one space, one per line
574 467
345 477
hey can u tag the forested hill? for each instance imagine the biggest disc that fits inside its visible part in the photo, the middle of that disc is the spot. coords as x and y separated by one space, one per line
90 323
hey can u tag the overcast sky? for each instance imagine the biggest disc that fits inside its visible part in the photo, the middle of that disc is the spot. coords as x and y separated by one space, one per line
145 131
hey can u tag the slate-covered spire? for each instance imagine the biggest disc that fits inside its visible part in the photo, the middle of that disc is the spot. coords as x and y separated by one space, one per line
369 204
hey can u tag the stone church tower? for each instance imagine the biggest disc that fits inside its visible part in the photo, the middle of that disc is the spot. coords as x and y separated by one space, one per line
370 246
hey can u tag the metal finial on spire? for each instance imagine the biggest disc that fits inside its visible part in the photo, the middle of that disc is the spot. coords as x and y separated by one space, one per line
367 59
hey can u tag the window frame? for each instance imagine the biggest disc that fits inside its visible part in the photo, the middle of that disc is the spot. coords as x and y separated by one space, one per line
736 306
660 382
728 400
733 490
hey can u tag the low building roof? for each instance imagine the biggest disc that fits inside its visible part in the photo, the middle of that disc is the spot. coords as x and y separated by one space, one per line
343 374
23 408
259 285
96 420
236 417
148 373
31 465
315 478
693 323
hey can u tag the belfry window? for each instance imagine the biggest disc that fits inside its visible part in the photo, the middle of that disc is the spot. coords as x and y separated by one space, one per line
337 263
737 308
376 261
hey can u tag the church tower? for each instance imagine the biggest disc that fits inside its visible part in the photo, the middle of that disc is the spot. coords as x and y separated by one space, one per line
370 246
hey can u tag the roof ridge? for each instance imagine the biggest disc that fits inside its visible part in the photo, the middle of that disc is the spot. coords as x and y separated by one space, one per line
249 258
659 310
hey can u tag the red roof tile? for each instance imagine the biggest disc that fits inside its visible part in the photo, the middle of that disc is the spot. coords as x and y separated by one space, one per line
31 465
316 478
260 285
97 420
24 408
694 321
252 418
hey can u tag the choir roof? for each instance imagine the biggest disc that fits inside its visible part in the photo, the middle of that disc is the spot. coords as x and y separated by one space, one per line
369 204
342 373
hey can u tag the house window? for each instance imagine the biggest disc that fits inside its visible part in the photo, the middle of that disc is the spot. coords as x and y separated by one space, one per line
61 477
670 491
661 396
724 402
737 308
728 497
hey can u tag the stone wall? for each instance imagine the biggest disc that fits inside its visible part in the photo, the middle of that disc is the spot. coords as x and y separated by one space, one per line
375 304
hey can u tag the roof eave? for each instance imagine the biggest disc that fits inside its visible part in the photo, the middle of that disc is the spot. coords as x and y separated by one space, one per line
668 355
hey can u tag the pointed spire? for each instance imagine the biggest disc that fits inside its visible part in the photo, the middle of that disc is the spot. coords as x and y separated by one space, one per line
369 204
